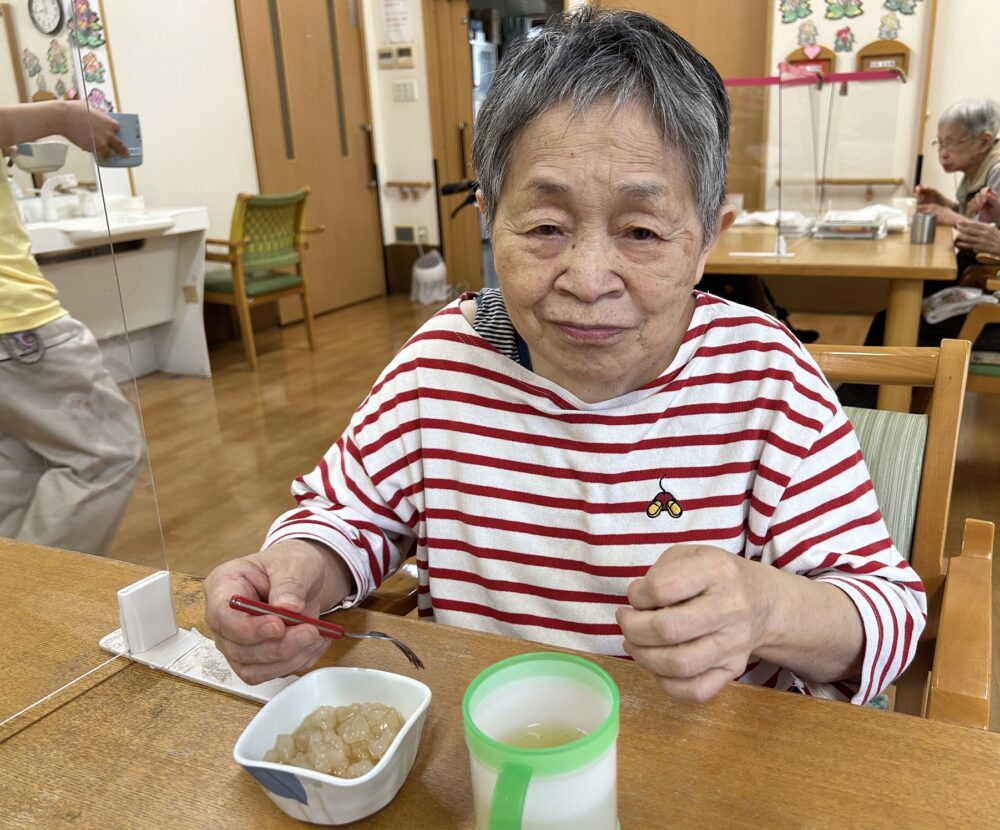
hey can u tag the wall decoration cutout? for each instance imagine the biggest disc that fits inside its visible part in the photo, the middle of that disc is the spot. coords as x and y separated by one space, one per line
847 8
85 26
808 33
58 59
844 41
42 84
93 69
901 6
792 10
889 26
97 99
60 88
30 62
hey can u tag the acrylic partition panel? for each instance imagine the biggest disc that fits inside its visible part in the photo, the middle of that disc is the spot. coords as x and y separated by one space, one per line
864 159
773 162
74 470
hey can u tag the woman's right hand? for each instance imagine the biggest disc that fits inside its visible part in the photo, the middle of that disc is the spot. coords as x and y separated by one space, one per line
296 574
930 196
91 129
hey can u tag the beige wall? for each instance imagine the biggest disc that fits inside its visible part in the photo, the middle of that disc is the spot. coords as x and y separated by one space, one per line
186 81
179 67
402 130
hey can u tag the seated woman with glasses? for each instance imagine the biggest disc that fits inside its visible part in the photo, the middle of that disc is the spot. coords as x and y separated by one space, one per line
967 143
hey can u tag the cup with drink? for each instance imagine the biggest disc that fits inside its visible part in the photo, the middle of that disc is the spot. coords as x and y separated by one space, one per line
542 732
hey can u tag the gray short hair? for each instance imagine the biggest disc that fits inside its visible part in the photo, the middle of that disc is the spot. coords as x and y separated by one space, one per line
975 116
590 53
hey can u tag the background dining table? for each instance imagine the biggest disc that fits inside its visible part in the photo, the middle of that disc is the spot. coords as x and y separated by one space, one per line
905 265
132 747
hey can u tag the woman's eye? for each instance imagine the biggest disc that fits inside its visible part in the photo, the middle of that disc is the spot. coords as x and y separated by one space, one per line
547 230
641 234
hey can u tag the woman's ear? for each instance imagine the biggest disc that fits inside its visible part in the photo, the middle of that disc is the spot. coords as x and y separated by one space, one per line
727 215
480 202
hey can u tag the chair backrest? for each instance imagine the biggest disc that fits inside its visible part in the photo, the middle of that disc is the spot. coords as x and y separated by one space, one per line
917 517
918 520
272 226
893 445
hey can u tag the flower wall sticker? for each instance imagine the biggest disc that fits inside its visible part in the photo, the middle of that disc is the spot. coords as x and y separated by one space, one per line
97 100
835 10
889 26
844 41
31 63
58 60
901 6
93 69
85 26
808 33
792 10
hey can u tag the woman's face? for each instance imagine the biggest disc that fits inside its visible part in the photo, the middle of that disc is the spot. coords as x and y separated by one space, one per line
960 152
597 245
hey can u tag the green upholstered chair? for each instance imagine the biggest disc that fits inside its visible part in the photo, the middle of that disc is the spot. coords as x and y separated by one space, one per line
263 261
911 458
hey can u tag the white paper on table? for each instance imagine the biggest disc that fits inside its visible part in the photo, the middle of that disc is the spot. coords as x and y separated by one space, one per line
191 655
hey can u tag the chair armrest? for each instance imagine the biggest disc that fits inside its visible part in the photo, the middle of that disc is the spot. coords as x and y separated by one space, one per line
212 256
229 243
960 677
993 285
314 229
987 259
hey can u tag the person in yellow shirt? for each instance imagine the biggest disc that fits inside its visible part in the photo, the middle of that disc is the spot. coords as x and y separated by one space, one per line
70 443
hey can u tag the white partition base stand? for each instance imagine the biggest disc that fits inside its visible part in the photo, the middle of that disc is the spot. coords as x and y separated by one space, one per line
149 635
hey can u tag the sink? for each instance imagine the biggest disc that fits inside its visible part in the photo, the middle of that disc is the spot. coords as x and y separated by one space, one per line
120 223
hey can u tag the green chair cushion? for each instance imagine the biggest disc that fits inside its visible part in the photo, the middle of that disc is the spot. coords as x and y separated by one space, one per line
893 447
257 284
984 369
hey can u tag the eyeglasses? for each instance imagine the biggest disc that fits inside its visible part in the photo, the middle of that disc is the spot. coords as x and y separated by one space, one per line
950 144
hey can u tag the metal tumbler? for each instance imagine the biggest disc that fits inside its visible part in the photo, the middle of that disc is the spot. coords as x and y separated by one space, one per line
923 228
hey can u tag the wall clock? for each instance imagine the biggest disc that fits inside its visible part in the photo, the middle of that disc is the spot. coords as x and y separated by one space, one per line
47 15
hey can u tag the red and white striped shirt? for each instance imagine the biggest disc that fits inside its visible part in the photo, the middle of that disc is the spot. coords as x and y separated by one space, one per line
529 510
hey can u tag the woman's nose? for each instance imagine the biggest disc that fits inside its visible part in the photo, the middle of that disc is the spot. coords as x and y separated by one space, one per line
591 268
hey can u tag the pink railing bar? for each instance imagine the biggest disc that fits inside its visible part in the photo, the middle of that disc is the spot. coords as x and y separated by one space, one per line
806 78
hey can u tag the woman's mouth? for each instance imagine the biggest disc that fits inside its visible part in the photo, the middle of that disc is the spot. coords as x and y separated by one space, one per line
589 333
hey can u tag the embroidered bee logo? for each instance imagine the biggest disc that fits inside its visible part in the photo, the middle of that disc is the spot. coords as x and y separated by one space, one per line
664 502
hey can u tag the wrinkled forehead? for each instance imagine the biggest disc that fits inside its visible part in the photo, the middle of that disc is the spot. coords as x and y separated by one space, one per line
621 148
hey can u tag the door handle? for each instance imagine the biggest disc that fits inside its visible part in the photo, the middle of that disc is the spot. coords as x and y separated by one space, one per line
372 169
461 148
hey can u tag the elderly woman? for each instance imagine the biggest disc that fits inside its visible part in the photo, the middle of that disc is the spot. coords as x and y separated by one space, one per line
596 456
967 144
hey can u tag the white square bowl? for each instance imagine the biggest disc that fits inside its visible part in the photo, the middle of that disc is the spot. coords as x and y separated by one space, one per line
315 796
41 156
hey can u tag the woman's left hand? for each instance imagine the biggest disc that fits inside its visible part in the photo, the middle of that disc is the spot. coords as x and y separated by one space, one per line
696 618
982 237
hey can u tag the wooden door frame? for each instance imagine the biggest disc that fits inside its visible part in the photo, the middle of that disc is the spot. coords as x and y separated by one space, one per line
455 237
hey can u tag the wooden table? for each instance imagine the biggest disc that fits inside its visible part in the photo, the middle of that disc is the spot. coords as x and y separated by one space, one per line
904 265
142 749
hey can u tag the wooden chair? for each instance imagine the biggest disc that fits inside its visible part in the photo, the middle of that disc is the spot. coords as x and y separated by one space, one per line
264 259
911 458
983 377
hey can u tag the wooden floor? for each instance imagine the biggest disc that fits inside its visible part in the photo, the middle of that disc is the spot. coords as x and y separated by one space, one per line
224 451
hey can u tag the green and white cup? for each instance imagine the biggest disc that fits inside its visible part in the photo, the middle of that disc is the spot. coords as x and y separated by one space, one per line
571 785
